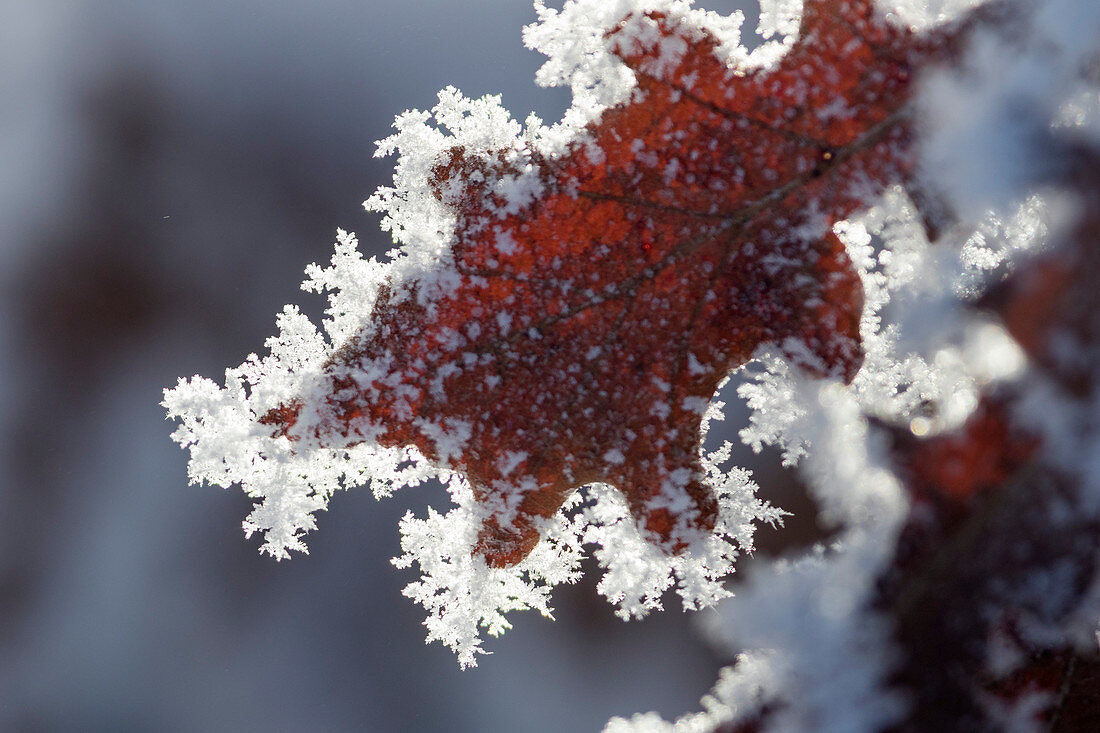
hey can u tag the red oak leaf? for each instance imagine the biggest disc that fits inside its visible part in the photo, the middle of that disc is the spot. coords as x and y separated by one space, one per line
981 455
580 338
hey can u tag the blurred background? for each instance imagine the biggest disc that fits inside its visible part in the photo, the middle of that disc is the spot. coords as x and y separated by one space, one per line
167 170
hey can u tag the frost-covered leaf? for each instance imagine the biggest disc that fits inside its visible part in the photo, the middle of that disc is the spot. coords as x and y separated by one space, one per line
591 296
565 300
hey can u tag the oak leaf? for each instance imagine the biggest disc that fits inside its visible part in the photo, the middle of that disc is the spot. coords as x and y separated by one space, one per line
578 334
962 465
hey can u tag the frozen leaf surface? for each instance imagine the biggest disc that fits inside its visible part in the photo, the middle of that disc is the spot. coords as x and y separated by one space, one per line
565 300
593 297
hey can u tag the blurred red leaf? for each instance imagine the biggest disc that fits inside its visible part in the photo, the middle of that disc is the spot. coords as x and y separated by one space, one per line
979 456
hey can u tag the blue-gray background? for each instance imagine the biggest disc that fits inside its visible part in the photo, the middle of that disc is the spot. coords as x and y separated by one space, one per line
166 172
